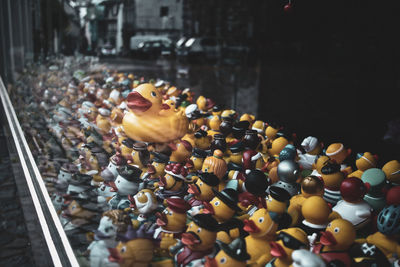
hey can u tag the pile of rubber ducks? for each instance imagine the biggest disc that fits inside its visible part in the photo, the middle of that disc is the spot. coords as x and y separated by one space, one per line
153 175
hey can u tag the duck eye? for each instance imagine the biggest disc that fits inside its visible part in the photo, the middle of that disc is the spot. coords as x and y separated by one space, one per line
329 225
216 203
201 183
222 260
123 249
153 94
198 230
260 220
336 230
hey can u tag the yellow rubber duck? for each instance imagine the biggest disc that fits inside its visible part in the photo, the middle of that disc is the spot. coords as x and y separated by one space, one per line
147 121
234 254
392 171
262 229
364 162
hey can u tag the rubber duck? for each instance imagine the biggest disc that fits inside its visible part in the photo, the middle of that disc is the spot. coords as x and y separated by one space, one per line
261 226
392 171
259 126
223 206
232 254
202 140
197 242
181 151
155 169
214 124
312 148
335 242
366 254
310 186
143 204
320 161
111 171
201 190
239 130
140 156
229 114
204 104
103 121
364 162
215 164
196 161
333 178
126 148
288 240
339 153
145 123
277 199
171 223
276 146
353 207
252 159
316 213
110 225
136 247
271 131
218 142
173 182
77 215
126 183
386 238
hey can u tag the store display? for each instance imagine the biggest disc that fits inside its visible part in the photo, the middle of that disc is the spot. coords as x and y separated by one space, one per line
142 173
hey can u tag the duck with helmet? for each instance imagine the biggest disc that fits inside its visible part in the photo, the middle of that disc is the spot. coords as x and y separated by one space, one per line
197 242
287 241
126 183
387 236
173 182
232 254
288 173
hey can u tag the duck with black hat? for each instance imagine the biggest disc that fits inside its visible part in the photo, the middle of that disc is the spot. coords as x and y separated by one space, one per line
233 254
126 183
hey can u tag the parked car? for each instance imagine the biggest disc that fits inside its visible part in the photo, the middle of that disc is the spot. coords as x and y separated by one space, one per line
107 50
154 49
137 42
198 49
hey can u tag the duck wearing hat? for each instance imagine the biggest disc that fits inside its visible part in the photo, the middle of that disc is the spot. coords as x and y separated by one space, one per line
155 170
364 162
202 190
125 148
353 207
173 182
126 183
110 172
140 156
320 161
392 171
338 153
310 186
202 140
333 178
215 164
142 207
145 120
335 242
287 241
288 172
312 148
223 206
251 159
232 254
195 163
197 242
261 226
277 201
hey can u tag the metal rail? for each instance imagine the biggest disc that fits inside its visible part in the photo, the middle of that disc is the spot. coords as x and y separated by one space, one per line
41 208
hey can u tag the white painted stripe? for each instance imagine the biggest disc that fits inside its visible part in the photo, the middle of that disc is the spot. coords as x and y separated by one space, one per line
46 232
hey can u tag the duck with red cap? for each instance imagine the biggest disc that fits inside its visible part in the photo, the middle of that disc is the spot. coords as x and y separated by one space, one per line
171 223
173 182
197 242
110 172
126 183
353 207
181 151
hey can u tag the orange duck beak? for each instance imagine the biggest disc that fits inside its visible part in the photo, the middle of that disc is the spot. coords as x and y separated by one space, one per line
250 226
327 239
137 103
277 250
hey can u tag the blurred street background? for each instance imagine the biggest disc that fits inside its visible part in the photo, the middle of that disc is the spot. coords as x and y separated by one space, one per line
328 69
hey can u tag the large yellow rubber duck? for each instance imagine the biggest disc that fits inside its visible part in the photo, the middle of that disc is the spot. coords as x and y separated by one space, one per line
148 120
